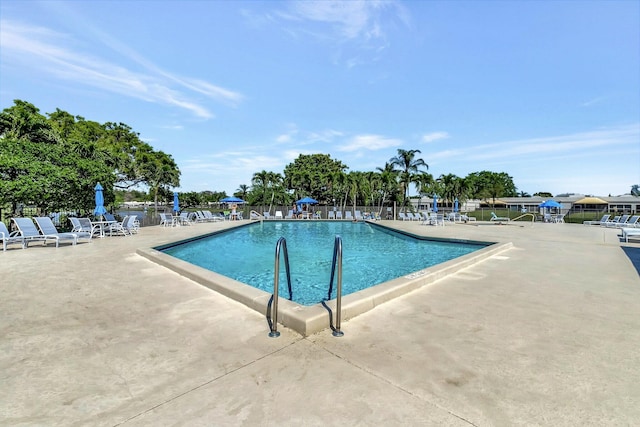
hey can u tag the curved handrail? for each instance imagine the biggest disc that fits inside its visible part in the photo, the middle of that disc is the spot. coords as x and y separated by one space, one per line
273 325
533 217
337 262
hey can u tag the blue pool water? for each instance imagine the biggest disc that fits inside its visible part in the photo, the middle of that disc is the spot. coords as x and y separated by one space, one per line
371 255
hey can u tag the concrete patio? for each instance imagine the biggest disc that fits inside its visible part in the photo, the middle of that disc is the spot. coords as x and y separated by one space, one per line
544 334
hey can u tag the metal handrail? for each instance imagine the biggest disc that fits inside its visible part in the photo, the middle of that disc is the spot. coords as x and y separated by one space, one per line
337 262
273 324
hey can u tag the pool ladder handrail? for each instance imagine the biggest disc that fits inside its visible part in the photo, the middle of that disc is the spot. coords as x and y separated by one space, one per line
273 324
337 262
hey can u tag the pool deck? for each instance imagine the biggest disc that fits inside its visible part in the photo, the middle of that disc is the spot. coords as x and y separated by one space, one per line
546 333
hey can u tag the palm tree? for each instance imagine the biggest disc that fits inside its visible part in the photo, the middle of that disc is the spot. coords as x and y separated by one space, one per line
242 191
408 166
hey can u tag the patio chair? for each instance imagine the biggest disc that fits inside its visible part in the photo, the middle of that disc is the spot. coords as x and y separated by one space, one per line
212 217
119 227
632 222
338 214
266 215
628 233
317 215
289 215
46 227
601 221
403 216
348 216
497 218
622 221
131 225
615 220
278 215
84 225
358 216
9 238
166 220
331 215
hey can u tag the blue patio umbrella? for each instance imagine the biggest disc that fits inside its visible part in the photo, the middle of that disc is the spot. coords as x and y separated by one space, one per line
232 199
307 200
550 204
176 202
455 205
99 210
435 203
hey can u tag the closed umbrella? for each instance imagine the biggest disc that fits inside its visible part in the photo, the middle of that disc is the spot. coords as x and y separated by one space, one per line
435 203
99 210
176 202
455 205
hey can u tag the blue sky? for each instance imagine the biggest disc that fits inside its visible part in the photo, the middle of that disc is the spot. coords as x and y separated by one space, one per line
546 91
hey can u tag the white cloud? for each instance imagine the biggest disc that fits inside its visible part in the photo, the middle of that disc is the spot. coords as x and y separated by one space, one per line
369 142
434 136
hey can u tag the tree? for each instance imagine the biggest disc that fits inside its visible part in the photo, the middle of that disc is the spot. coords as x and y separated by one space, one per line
490 185
543 194
408 167
311 175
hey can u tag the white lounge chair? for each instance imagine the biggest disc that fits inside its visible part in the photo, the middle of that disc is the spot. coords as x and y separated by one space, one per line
338 214
331 215
630 233
358 216
348 216
619 223
278 215
266 215
9 238
289 215
497 218
632 222
403 216
602 220
47 228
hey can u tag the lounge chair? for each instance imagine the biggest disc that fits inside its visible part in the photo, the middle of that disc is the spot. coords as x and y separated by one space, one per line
403 216
166 220
331 215
615 220
278 215
338 214
183 218
602 220
497 218
266 215
621 222
348 216
47 228
634 221
289 215
630 233
358 216
317 215
9 238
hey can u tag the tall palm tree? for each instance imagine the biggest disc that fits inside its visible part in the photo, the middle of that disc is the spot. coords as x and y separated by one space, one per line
408 166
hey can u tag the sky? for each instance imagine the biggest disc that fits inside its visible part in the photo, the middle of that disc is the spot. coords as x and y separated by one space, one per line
546 91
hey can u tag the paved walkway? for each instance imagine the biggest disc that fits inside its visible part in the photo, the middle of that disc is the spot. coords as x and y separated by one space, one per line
547 333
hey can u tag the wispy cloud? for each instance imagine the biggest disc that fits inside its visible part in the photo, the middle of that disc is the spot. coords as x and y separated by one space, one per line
572 145
369 142
434 136
358 28
47 51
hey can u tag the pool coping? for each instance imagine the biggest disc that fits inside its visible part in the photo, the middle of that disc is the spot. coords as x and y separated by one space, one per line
308 320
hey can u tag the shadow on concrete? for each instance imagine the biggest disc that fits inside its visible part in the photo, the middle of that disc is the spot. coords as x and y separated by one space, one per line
634 256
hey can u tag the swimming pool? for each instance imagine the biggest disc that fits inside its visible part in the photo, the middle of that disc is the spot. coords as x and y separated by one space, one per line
308 320
371 255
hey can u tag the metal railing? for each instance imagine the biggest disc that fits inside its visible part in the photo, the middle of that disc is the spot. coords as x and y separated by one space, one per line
336 264
272 315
